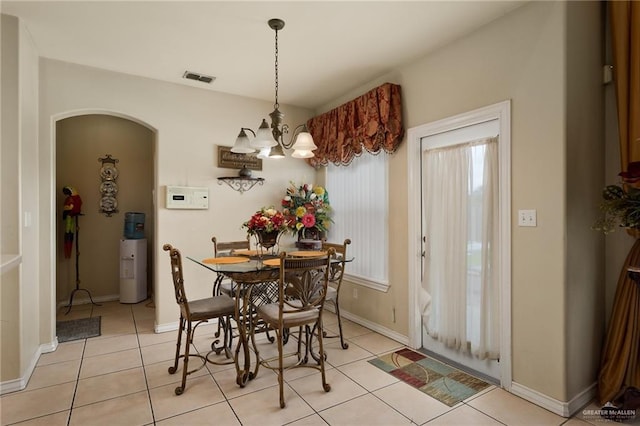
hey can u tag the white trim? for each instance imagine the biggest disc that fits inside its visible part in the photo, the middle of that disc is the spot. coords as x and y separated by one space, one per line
49 347
9 262
564 409
163 328
21 382
502 112
374 285
387 332
87 301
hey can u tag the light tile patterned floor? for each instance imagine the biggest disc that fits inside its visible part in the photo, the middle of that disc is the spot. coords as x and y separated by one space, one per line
121 378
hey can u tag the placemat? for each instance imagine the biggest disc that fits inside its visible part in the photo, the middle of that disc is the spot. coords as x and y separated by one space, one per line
307 253
271 262
246 252
226 259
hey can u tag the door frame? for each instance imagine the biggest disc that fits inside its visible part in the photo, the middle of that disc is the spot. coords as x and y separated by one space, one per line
502 112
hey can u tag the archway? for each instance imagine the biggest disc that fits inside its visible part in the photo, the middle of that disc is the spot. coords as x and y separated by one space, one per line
80 140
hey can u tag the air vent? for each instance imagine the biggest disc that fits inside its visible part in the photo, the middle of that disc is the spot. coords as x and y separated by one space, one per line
198 77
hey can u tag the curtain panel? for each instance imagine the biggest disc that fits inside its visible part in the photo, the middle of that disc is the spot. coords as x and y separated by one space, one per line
371 122
625 36
620 359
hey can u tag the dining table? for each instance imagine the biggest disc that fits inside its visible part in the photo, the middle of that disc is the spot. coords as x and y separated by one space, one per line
255 275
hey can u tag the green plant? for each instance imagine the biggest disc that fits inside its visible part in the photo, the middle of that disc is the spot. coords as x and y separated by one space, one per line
620 208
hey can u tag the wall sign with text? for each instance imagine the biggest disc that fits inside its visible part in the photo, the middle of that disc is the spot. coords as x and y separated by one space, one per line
232 160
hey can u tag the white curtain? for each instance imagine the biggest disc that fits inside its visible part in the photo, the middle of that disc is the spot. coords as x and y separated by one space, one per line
460 196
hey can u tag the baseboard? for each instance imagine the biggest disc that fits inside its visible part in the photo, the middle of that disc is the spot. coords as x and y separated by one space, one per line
87 300
20 383
391 334
564 409
163 328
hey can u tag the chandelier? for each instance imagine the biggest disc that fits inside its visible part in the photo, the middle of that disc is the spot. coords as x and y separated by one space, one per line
269 140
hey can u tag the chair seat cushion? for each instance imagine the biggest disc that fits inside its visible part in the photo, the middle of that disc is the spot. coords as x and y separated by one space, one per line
211 307
269 313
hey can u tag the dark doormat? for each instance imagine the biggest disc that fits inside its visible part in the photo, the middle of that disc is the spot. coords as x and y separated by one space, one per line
438 380
78 329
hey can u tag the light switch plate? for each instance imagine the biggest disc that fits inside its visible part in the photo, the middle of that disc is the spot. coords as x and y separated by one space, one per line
527 218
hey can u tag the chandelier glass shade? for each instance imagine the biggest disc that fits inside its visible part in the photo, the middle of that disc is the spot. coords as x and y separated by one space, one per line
269 140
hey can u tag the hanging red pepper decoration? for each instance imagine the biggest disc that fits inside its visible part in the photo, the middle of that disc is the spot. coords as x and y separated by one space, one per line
72 208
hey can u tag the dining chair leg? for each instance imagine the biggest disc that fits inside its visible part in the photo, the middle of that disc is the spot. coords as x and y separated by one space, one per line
279 336
342 342
326 386
225 328
174 367
185 361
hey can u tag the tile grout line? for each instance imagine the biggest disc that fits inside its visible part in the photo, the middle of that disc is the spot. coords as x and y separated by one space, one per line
75 389
144 370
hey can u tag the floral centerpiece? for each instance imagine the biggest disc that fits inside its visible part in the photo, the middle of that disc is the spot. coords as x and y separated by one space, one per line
267 219
266 224
307 208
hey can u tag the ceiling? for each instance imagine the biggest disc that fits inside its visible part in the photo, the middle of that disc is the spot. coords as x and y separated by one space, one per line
326 48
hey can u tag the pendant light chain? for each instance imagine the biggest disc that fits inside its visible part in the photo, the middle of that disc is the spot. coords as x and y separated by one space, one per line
276 105
272 143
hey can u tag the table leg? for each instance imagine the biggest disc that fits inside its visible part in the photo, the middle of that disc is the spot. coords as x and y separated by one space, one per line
242 374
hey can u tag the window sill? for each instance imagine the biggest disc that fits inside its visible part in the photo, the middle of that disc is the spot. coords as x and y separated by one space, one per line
374 285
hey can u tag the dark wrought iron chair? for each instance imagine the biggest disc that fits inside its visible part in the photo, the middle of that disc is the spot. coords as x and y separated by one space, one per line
302 288
225 285
336 273
194 313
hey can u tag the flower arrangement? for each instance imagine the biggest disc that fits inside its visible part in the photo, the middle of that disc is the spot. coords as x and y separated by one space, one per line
267 219
620 208
306 207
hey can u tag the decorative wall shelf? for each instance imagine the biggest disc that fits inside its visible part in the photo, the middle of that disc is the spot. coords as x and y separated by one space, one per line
239 183
243 182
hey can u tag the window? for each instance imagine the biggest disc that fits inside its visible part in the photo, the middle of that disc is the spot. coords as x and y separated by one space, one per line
359 198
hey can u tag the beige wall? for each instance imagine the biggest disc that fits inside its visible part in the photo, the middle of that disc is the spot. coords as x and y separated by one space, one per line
584 176
80 141
189 124
10 292
21 290
556 105
528 56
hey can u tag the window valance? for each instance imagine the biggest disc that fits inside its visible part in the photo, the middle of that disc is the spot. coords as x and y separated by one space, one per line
372 122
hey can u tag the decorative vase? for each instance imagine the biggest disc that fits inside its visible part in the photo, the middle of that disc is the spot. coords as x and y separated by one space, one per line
310 239
267 239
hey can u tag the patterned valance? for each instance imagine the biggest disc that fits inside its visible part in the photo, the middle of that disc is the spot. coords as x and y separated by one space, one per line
372 122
